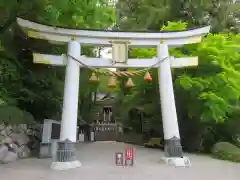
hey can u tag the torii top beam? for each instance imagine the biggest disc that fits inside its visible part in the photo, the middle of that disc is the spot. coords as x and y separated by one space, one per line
105 38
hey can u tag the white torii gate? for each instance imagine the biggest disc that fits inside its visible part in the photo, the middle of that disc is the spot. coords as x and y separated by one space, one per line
119 42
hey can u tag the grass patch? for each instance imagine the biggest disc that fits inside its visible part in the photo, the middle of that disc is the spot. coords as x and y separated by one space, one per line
226 151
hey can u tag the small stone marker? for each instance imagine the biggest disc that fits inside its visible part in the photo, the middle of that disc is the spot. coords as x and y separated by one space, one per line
119 159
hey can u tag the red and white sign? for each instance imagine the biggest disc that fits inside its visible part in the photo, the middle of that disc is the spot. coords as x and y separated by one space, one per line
129 154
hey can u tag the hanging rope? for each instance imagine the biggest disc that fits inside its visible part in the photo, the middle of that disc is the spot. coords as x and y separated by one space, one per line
119 73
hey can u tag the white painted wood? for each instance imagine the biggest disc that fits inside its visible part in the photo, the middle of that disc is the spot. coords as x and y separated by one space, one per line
177 161
54 34
55 39
49 59
107 63
70 99
183 62
169 113
119 52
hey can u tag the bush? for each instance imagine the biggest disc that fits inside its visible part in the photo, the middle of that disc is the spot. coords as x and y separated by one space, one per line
14 115
132 138
226 151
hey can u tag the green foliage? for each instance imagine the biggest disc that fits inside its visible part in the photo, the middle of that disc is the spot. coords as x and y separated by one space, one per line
215 83
132 138
2 102
226 151
145 97
135 13
205 96
207 91
77 14
174 26
221 14
36 88
14 115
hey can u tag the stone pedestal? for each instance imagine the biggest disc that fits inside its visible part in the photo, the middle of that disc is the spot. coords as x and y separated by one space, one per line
45 150
65 165
176 161
66 156
173 147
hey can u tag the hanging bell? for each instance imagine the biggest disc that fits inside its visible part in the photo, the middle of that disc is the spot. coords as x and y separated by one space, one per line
147 77
93 78
112 82
129 83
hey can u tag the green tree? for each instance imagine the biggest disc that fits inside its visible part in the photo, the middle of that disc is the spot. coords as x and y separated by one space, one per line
35 88
205 95
220 14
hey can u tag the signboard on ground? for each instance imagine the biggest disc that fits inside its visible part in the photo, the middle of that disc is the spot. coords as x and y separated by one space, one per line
127 157
119 159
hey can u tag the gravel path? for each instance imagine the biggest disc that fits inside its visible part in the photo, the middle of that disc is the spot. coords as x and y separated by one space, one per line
98 164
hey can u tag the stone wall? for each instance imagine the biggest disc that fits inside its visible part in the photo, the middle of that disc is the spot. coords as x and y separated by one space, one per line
18 141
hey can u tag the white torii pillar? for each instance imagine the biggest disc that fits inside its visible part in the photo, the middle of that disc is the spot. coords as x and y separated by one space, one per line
66 157
172 144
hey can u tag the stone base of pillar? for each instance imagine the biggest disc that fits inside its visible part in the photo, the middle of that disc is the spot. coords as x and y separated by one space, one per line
176 161
174 153
65 157
45 150
173 147
65 165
